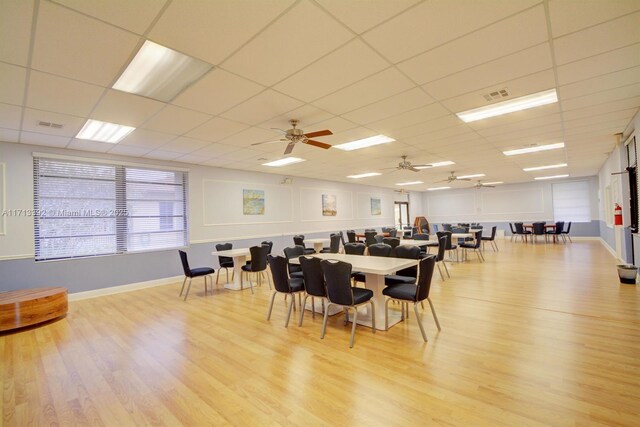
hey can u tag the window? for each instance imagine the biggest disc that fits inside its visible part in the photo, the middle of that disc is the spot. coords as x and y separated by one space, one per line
86 209
401 213
571 201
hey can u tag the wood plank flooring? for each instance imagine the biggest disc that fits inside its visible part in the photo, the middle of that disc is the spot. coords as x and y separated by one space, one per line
537 335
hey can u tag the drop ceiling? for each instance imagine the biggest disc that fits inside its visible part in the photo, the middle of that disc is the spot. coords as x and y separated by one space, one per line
401 68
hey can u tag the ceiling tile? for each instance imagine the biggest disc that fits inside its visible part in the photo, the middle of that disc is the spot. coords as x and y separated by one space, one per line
9 135
596 110
334 124
93 52
15 30
286 54
402 102
10 116
129 150
341 68
223 90
184 145
624 92
86 145
568 16
162 155
374 88
216 129
125 108
408 118
262 107
482 46
599 39
214 150
435 22
619 59
134 16
12 83
191 158
53 93
251 136
600 83
176 120
143 138
240 155
43 139
212 30
70 125
363 15
426 127
307 115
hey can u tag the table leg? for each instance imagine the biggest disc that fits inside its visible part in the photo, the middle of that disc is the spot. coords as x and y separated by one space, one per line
318 246
238 262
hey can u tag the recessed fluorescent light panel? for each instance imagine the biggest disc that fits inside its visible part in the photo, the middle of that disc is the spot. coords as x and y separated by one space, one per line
160 73
284 162
96 130
539 168
437 188
534 149
435 165
511 106
364 175
478 175
551 177
410 183
364 143
493 183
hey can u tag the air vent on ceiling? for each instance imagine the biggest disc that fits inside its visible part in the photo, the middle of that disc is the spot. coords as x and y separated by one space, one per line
50 125
497 94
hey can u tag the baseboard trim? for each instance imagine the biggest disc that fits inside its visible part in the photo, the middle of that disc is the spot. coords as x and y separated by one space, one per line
611 250
77 296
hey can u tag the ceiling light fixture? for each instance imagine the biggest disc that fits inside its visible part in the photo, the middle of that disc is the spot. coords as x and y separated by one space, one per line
539 168
478 175
364 175
436 164
364 143
534 149
437 188
410 183
160 73
284 162
551 177
493 183
517 104
96 130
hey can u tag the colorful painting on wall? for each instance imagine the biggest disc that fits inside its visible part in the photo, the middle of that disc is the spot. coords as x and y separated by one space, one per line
376 207
329 205
253 202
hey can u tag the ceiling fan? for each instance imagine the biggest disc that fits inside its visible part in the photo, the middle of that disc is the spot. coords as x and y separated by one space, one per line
479 185
295 135
407 165
402 191
451 178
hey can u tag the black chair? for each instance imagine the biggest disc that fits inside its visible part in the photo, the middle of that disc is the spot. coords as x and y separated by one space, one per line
566 233
538 230
446 227
351 236
520 232
299 241
440 257
406 275
342 237
513 231
491 239
449 246
475 246
294 252
190 273
283 283
556 233
257 266
337 275
379 250
394 242
313 284
414 293
225 262
370 238
334 245
354 248
268 243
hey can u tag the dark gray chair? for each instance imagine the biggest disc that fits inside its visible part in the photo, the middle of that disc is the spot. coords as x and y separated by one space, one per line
298 240
406 275
354 248
556 233
538 230
491 239
448 246
474 246
380 250
283 284
414 293
190 273
394 242
440 257
370 238
225 262
257 266
565 233
520 231
268 243
351 236
334 245
337 275
313 284
294 252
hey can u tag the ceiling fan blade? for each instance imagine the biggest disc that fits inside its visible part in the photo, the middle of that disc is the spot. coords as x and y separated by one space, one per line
462 179
443 180
289 148
422 166
269 142
490 186
412 168
318 133
317 144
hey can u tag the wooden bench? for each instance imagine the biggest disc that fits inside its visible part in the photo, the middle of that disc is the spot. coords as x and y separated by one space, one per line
27 307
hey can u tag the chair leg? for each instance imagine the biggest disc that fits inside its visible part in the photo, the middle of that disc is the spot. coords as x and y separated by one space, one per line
419 320
250 282
183 282
446 269
302 311
324 321
433 311
218 275
293 302
386 314
495 245
440 271
353 327
188 289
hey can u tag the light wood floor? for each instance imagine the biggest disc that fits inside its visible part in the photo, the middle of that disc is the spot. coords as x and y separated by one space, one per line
537 335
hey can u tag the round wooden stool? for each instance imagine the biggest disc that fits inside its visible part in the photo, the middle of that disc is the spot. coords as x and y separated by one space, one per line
27 307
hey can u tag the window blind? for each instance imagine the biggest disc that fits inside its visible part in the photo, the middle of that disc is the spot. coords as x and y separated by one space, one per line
572 201
87 209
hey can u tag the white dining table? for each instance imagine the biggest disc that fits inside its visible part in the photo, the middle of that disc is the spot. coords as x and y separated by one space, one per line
318 244
239 256
410 242
374 268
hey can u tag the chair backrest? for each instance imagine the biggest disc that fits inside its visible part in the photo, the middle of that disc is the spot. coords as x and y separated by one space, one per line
370 238
478 239
493 232
351 236
313 277
337 276
568 227
393 232
394 242
278 266
370 229
408 252
354 248
380 249
424 279
259 257
386 229
341 238
459 229
298 240
538 228
519 227
334 244
268 243
420 236
513 231
442 246
446 227
447 235
185 263
224 247
559 227
293 252
379 238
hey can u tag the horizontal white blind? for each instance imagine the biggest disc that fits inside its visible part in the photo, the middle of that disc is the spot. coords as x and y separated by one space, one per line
572 201
86 209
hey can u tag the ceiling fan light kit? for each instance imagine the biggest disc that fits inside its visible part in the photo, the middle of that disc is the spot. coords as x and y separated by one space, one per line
295 135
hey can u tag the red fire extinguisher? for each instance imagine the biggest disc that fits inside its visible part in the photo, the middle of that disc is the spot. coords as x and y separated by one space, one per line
617 215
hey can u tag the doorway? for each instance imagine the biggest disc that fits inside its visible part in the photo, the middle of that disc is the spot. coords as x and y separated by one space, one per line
401 214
